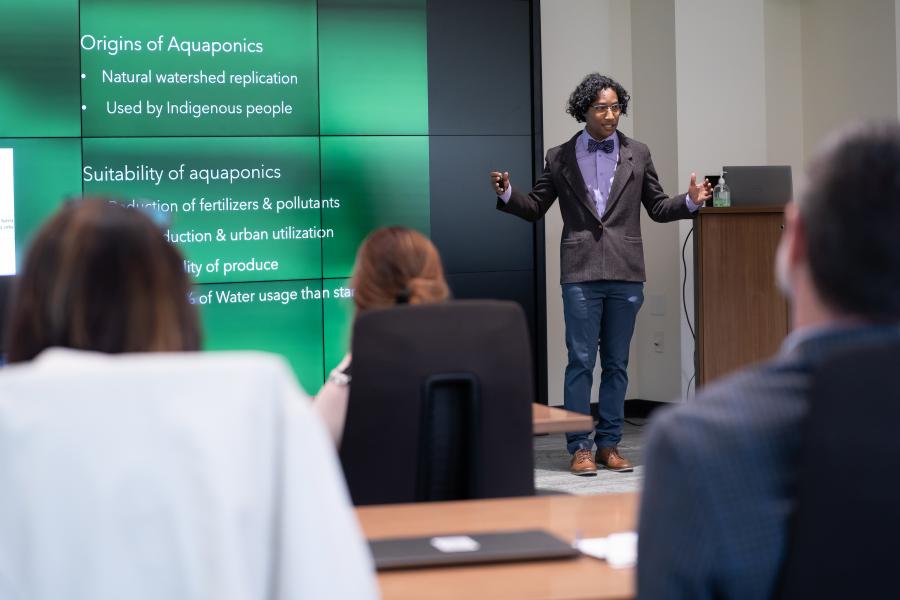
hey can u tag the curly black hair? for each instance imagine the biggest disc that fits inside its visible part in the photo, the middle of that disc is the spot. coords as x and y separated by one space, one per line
586 94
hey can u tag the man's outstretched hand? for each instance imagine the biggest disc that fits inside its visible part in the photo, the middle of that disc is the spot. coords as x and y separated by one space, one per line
699 194
500 181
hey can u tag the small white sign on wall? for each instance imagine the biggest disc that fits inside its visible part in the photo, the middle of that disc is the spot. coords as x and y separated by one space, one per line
7 214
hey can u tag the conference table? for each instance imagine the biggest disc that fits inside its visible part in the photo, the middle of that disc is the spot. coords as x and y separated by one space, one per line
549 419
567 517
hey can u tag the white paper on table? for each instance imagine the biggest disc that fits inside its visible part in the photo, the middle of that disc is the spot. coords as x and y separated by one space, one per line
455 543
618 549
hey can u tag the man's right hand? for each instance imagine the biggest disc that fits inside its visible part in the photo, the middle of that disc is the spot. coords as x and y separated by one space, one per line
500 181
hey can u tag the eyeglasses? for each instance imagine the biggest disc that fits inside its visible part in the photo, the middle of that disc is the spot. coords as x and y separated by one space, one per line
602 108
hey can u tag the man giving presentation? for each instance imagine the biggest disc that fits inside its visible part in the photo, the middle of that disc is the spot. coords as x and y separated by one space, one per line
601 178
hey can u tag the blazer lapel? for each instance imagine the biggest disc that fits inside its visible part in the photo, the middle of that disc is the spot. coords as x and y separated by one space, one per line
572 174
623 172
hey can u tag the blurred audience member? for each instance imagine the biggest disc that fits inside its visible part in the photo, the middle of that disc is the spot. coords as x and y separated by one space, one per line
155 474
722 469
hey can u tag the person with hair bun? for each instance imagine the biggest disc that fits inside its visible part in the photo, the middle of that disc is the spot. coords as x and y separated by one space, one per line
394 265
397 265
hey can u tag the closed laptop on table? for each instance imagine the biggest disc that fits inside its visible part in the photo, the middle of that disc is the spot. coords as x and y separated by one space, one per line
463 548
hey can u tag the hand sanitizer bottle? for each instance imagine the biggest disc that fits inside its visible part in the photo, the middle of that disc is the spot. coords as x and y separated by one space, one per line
721 193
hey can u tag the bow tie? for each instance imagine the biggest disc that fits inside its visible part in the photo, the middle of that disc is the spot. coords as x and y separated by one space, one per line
606 145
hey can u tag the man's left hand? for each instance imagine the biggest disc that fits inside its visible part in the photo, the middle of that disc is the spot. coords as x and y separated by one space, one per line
699 194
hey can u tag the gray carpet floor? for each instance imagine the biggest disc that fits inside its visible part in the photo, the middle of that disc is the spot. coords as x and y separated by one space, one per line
551 462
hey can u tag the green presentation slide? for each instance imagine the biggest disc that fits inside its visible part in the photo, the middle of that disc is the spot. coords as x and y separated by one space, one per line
268 139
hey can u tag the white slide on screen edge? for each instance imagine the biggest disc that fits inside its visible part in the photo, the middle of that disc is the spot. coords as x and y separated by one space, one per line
7 214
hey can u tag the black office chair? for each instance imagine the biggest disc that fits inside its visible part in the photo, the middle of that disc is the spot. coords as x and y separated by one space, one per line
440 404
844 540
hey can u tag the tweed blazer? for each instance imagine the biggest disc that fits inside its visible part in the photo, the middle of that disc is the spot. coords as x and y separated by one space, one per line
597 247
721 475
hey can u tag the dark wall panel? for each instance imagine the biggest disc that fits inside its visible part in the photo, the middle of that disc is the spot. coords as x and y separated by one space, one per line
484 115
479 67
517 286
471 234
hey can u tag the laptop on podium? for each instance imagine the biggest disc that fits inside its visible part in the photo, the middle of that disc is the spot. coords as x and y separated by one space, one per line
767 185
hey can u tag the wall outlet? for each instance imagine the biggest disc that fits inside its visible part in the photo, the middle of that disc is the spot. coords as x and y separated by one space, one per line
658 342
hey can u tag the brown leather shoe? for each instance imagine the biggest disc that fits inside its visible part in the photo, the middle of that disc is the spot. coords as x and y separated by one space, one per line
583 463
610 458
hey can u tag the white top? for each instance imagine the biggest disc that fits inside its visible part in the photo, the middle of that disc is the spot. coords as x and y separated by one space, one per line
170 476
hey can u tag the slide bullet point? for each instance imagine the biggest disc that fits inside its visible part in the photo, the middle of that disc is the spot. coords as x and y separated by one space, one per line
83 75
83 107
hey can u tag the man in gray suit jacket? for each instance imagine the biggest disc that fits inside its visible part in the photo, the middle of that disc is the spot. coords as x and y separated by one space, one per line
722 470
601 178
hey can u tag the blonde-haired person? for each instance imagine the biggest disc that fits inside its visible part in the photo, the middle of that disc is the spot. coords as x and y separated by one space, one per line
394 265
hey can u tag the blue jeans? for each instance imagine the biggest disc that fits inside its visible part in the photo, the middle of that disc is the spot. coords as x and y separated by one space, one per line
599 314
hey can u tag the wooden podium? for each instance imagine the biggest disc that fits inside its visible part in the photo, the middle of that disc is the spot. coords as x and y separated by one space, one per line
740 315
